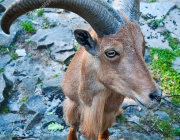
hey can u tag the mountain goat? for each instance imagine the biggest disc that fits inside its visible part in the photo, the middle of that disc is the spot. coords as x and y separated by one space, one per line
108 67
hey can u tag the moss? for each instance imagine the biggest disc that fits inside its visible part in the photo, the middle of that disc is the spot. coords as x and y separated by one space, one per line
28 27
14 56
2 70
24 99
55 75
4 110
152 0
40 12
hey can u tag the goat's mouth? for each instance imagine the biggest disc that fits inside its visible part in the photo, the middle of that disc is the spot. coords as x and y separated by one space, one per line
143 105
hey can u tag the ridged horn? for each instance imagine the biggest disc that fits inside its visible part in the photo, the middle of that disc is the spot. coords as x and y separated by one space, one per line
130 7
99 14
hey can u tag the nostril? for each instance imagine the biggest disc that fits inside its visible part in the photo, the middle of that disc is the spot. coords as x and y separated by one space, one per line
155 97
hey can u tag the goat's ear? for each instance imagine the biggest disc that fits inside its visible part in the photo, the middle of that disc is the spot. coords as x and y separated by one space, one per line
84 38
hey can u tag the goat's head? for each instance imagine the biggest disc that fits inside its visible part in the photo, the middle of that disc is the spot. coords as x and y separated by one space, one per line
116 44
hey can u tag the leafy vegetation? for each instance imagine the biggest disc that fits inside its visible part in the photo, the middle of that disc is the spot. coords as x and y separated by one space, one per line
55 126
161 67
55 75
28 27
152 1
24 99
5 50
165 128
40 12
2 70
14 55
4 110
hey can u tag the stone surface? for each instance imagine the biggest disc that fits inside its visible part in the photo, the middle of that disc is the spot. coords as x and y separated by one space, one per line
21 52
48 119
172 23
45 38
4 59
2 87
156 9
33 105
52 86
176 64
153 38
162 116
27 87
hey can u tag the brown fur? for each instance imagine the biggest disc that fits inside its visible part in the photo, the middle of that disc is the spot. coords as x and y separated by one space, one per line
96 86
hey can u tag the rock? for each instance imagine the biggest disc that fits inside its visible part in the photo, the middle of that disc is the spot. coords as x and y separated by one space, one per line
27 87
8 40
33 105
176 64
45 38
52 86
153 38
133 119
129 135
48 119
2 87
5 87
147 56
32 122
4 60
162 115
2 8
11 118
61 57
53 138
156 9
172 23
21 52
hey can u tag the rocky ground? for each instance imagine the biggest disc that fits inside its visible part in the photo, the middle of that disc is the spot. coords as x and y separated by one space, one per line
33 65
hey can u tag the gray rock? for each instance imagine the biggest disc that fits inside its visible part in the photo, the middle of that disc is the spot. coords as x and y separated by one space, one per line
172 23
8 40
2 87
52 86
53 138
153 38
176 64
156 9
33 105
11 118
128 135
4 60
21 52
5 87
162 115
34 121
2 8
48 119
27 87
147 56
134 119
47 37
61 57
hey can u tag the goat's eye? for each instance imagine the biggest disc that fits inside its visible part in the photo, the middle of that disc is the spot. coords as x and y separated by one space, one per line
111 53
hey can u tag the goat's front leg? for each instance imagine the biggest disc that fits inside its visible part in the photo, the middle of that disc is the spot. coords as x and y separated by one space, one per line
104 135
72 134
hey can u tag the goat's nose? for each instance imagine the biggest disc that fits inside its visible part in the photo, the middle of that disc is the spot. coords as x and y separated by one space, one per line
155 97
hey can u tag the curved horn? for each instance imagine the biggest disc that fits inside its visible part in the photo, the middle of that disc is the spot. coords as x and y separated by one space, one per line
99 14
130 7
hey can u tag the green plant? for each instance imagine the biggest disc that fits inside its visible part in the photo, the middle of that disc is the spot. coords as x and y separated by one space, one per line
2 70
55 126
24 99
165 128
28 27
152 1
55 75
4 109
14 56
122 118
162 71
39 84
28 41
40 12
173 42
